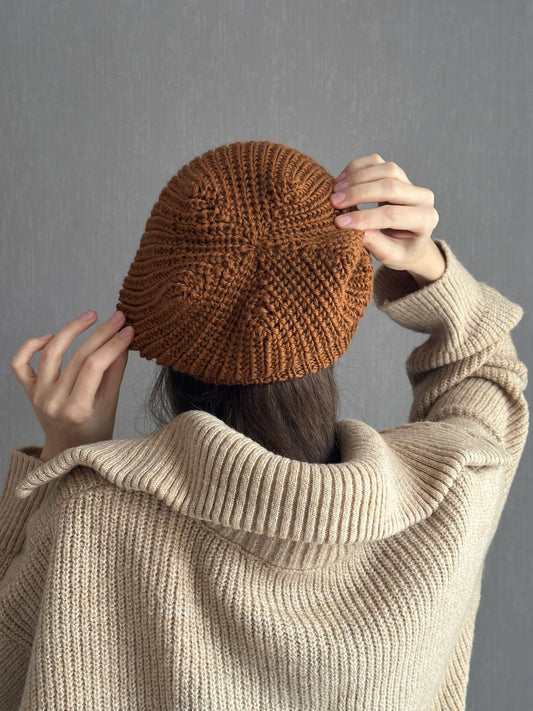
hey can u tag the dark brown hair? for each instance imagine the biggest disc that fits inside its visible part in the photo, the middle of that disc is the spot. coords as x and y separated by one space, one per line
294 418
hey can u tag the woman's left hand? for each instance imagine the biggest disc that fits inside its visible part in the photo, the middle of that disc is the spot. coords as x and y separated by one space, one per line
77 406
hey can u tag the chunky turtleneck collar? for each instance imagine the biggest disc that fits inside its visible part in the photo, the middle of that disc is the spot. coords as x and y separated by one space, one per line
279 508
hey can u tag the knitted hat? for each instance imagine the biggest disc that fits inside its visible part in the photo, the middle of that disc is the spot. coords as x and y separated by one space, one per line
241 275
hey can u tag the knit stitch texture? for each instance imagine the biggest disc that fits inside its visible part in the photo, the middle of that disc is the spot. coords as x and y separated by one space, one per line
193 569
242 276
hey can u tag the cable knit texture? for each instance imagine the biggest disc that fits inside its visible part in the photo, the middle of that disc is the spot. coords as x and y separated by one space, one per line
193 569
242 276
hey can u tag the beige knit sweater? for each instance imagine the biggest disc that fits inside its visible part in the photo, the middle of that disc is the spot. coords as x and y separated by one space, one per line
193 569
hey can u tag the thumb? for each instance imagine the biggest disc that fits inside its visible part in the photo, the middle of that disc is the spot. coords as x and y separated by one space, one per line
380 245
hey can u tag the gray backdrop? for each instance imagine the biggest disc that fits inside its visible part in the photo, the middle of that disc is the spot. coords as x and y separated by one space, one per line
103 101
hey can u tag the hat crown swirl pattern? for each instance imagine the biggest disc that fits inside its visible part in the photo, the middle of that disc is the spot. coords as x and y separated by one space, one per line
242 276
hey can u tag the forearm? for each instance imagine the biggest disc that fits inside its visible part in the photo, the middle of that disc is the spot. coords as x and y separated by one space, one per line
430 268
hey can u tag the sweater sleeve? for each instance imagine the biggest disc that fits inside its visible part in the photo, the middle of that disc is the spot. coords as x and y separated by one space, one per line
25 539
467 372
14 511
452 693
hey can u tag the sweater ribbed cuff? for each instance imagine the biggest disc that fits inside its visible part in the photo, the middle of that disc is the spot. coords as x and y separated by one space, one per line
451 305
15 511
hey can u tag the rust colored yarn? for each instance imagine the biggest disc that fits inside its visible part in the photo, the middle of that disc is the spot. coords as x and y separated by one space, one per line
241 275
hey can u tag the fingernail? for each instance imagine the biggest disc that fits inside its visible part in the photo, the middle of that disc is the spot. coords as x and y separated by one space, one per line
87 316
126 332
341 186
342 175
344 220
45 338
338 197
116 318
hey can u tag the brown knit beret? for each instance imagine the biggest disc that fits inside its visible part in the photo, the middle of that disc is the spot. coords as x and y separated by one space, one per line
241 275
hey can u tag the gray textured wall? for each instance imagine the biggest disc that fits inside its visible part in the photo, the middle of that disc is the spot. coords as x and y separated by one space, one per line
103 101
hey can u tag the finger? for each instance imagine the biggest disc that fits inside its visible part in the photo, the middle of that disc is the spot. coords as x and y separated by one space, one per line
96 364
379 171
52 356
68 378
396 217
359 163
109 390
20 363
400 234
386 190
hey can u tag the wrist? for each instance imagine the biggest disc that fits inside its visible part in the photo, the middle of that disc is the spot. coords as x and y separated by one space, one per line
431 267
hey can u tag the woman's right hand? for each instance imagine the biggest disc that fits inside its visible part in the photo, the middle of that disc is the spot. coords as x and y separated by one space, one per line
398 231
